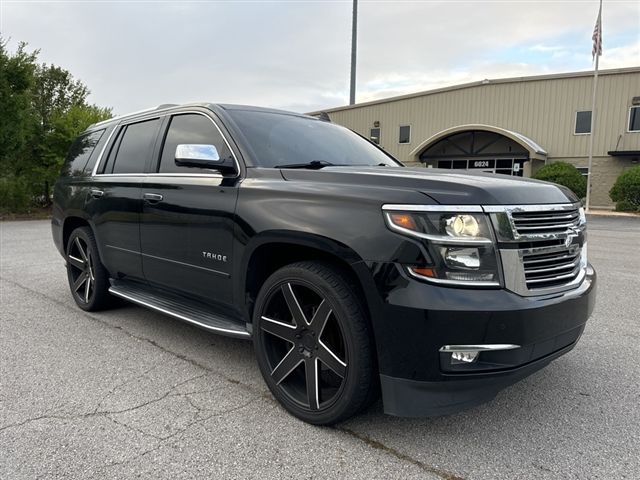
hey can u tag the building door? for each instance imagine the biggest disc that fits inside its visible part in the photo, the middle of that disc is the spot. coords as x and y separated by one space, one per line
478 150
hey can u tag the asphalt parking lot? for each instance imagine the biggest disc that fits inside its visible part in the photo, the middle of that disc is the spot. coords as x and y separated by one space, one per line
132 393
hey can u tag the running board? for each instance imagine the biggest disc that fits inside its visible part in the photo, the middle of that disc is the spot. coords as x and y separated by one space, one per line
191 312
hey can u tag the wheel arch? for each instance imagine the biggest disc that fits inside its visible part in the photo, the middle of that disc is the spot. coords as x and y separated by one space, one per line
75 220
69 224
271 251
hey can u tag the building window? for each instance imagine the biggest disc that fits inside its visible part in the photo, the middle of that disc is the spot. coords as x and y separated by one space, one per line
405 134
584 171
374 135
634 119
583 123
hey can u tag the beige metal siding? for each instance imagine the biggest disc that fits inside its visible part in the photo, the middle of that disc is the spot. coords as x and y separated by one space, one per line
543 110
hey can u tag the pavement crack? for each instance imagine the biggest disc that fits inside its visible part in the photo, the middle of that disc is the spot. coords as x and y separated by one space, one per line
122 384
132 428
399 455
106 413
163 440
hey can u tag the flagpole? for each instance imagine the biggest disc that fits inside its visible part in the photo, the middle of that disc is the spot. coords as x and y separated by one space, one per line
593 109
354 49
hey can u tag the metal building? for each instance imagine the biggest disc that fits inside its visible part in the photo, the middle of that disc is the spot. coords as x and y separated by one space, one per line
511 126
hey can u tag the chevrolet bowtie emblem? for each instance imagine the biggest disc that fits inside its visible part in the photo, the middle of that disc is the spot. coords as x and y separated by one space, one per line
572 233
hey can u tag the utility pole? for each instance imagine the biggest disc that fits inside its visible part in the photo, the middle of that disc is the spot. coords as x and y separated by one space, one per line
354 48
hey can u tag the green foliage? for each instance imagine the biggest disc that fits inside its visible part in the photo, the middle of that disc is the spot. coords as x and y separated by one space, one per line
565 174
65 127
42 109
14 195
625 206
16 122
55 92
626 190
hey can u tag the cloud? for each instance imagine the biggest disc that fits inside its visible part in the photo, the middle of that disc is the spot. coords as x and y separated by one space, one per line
295 55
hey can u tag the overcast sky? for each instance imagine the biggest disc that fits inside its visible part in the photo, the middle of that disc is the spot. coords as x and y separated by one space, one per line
296 54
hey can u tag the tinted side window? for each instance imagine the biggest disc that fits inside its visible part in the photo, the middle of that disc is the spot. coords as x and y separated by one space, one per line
107 166
189 128
79 153
135 147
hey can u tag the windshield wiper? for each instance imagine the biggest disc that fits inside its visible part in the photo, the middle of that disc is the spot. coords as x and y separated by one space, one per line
313 165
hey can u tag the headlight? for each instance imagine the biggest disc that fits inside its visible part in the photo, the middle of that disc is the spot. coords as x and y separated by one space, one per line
459 241
462 226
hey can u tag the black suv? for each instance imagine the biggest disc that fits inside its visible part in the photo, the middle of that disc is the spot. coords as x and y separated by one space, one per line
350 273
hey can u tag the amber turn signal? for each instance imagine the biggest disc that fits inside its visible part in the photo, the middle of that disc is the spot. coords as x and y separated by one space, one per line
424 271
403 220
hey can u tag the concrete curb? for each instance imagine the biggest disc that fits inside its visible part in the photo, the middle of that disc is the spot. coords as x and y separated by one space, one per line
612 213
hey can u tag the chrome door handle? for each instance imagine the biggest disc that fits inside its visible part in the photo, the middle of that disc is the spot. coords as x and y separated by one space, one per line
95 193
153 197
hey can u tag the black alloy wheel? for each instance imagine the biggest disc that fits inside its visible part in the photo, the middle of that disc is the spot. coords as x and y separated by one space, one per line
88 279
313 343
82 278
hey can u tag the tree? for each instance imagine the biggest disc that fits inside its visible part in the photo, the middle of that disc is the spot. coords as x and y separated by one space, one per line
64 127
54 92
16 119
565 174
42 109
61 113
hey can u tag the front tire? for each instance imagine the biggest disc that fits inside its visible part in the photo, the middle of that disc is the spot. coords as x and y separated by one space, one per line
313 343
88 279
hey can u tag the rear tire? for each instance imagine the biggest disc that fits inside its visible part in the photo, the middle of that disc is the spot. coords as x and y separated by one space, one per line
313 343
88 279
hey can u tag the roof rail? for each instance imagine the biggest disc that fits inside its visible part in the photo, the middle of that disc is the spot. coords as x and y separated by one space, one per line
159 107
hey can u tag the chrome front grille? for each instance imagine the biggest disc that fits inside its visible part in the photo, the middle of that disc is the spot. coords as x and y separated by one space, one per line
542 247
541 222
551 268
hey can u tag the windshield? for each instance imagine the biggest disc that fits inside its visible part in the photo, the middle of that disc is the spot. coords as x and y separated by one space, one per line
279 140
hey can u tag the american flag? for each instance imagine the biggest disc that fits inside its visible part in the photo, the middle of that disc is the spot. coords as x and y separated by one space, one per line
597 38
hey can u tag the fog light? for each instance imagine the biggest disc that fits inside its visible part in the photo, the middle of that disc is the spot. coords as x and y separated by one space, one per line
470 276
464 357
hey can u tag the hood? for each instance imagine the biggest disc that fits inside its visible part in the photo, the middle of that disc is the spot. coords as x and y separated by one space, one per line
447 187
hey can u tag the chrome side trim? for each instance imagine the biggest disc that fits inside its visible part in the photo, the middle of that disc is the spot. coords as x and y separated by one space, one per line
191 175
478 348
190 265
104 147
235 159
433 208
161 175
234 333
135 252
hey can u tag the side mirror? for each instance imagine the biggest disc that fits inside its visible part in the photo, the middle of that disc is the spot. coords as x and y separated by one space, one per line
202 156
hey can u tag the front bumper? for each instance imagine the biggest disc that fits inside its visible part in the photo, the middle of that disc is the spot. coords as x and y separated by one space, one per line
416 319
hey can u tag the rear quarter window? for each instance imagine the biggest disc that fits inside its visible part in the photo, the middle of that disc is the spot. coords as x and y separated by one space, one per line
134 149
82 149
